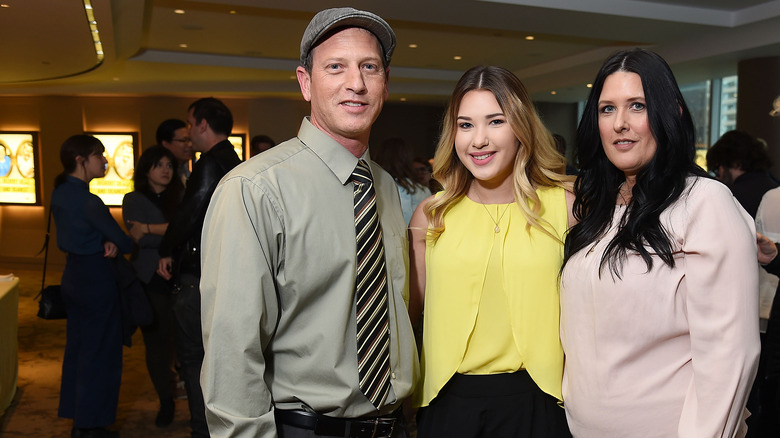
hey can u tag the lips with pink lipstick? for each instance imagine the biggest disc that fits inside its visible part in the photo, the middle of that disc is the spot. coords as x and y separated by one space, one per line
624 144
482 158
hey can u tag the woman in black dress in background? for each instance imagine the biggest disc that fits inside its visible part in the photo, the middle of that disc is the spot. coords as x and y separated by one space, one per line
86 231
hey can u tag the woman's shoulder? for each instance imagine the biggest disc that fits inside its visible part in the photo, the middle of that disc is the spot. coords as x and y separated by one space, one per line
699 188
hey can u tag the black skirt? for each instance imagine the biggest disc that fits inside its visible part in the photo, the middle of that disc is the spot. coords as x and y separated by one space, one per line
508 405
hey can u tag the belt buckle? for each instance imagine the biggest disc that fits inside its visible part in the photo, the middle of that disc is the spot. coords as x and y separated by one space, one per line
376 427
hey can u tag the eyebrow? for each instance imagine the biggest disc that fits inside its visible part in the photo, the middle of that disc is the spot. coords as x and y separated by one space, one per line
489 116
630 99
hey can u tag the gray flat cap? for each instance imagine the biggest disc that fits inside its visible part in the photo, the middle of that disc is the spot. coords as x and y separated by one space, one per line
330 19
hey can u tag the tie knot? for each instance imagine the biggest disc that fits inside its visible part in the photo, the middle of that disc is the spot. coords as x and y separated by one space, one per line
361 174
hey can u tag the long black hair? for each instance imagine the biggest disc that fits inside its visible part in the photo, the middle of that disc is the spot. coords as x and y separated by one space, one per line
149 158
79 145
658 185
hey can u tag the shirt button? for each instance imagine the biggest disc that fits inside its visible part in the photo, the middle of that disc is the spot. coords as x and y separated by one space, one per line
392 376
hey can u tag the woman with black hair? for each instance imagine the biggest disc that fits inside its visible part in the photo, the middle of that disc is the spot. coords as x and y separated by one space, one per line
147 211
659 289
86 231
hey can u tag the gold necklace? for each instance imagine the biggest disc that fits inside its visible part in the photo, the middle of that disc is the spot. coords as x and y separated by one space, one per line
497 229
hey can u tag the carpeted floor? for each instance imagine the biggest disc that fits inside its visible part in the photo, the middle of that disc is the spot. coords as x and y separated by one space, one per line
33 412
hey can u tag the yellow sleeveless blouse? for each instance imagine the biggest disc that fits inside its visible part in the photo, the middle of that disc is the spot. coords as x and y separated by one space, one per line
457 268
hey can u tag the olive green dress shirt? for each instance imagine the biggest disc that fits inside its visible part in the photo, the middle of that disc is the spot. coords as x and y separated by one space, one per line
278 289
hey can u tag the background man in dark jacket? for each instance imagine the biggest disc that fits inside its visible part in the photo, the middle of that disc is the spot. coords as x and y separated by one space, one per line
210 123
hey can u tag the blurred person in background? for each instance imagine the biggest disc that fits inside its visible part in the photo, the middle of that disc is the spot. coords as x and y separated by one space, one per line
395 156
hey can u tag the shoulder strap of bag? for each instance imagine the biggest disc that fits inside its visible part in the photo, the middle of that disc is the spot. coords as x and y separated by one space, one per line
45 251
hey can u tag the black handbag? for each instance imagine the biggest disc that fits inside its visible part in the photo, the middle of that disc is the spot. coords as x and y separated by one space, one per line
50 305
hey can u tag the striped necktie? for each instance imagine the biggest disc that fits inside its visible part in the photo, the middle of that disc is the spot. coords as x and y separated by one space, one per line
373 338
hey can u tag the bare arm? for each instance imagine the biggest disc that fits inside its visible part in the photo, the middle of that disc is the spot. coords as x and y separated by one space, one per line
418 227
570 208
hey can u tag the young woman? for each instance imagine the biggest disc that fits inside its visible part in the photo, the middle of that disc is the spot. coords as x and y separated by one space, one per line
659 292
486 253
146 212
86 231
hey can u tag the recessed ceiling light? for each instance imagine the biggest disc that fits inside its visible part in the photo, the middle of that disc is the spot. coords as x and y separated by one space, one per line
589 85
412 46
4 6
403 99
116 79
233 12
183 45
553 92
457 57
530 38
178 11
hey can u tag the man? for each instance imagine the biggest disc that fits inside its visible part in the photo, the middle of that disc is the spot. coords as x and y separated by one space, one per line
742 162
210 123
281 240
172 135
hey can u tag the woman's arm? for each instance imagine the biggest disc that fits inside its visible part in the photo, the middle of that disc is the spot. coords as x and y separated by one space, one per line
721 298
570 208
418 229
136 217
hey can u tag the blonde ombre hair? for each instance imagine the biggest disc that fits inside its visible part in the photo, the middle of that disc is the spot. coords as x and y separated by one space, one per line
537 164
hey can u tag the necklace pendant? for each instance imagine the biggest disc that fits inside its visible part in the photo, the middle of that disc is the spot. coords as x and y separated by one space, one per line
498 230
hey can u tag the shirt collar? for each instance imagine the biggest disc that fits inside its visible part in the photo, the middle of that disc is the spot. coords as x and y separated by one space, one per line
338 159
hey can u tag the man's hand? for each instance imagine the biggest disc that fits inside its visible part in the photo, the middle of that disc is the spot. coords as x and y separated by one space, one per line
164 268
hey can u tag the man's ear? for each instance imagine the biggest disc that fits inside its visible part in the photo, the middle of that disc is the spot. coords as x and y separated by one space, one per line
203 125
304 80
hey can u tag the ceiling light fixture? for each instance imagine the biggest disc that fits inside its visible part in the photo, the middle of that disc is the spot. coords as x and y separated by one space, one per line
553 92
93 27
4 6
530 38
412 46
457 57
233 12
183 45
589 85
179 11
403 99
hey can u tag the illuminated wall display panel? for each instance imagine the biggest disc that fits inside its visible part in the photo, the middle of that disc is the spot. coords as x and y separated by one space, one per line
19 164
238 142
121 150
239 145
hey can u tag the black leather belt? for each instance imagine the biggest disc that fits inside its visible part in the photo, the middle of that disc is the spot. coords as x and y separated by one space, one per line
377 427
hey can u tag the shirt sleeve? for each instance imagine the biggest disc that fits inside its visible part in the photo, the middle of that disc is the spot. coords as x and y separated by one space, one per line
99 216
240 308
721 282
